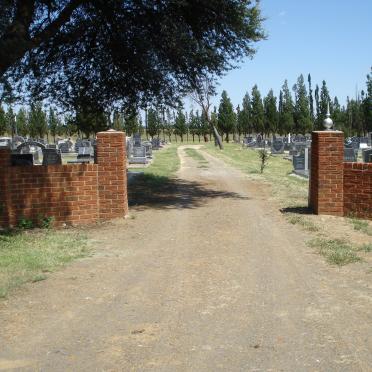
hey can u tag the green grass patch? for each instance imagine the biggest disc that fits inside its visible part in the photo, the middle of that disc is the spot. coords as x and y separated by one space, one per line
290 190
27 256
336 251
361 225
303 222
196 155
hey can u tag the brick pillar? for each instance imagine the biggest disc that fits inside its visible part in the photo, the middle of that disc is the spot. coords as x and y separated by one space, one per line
4 186
112 175
326 177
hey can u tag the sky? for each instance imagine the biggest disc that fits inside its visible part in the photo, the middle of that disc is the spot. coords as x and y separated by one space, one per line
330 39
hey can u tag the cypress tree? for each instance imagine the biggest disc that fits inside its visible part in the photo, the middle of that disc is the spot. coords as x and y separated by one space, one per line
286 120
10 121
257 111
180 127
22 122
226 116
271 113
302 116
3 127
311 100
52 124
153 122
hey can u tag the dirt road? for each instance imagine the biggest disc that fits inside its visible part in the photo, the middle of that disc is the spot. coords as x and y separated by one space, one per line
212 278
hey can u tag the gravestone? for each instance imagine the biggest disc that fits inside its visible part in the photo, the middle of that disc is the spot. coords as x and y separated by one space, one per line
155 142
64 147
299 162
136 140
363 142
51 157
148 147
369 139
139 155
366 155
85 152
277 146
22 159
350 155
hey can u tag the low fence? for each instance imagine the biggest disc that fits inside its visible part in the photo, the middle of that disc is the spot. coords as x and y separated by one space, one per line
71 194
336 187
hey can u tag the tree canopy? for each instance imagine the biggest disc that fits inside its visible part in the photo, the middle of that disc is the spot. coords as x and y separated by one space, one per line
121 52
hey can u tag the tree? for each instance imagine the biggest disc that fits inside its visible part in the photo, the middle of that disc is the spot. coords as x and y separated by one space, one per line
271 113
22 123
180 127
286 120
367 104
302 118
226 116
118 122
193 124
10 121
153 122
53 124
322 101
3 127
90 120
243 116
311 100
257 111
122 51
131 123
169 124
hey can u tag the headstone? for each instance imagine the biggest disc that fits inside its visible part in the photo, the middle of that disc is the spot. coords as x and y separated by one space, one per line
51 157
64 147
299 161
350 155
366 155
136 140
277 146
22 159
363 143
139 155
369 139
85 152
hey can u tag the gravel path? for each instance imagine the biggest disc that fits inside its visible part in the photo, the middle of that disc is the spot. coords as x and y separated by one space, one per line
212 278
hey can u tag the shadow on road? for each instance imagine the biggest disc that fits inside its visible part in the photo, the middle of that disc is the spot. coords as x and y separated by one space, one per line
149 191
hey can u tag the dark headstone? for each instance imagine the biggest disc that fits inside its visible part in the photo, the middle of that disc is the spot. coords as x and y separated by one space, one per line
22 159
350 155
366 155
299 162
51 157
277 146
136 139
85 152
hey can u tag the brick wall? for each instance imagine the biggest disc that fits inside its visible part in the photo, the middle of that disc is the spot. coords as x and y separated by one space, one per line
358 189
72 194
336 187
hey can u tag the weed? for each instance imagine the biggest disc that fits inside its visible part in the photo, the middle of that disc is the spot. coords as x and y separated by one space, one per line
305 223
365 248
25 223
46 222
361 225
263 155
336 251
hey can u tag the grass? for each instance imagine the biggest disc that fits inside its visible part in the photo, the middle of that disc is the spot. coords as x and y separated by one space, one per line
304 222
291 191
28 256
361 225
336 251
196 155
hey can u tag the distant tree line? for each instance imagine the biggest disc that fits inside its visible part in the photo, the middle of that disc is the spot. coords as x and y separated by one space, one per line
36 122
298 111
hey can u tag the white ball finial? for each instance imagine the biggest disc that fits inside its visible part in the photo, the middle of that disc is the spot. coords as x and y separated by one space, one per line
328 122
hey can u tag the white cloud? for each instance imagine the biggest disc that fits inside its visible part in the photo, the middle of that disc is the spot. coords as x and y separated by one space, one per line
283 13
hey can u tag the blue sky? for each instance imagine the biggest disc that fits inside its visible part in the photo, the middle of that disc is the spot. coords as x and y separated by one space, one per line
331 40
